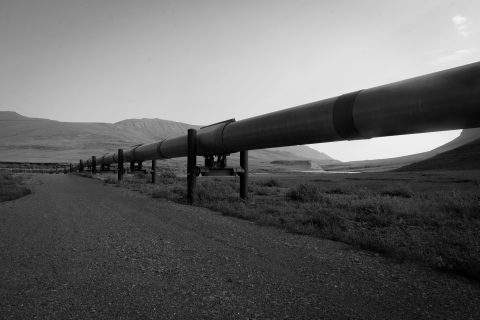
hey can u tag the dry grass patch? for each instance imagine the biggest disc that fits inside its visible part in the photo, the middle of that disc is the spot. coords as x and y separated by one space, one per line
12 187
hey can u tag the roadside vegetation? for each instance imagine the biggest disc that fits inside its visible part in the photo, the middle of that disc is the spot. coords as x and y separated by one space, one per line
12 186
441 228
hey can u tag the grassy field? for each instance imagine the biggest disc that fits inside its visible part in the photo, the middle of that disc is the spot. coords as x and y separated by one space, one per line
428 217
12 187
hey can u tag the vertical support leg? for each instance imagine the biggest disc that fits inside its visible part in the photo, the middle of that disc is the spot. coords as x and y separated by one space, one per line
120 165
71 168
244 176
139 166
80 166
154 173
192 165
132 166
94 165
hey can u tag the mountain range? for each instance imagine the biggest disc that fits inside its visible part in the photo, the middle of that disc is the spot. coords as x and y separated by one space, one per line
42 140
24 139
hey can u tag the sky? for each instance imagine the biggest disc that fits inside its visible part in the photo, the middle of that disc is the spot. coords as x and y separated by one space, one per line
201 62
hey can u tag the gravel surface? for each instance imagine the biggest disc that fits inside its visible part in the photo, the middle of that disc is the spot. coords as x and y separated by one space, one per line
78 249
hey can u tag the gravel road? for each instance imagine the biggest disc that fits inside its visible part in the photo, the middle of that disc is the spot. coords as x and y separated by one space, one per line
77 249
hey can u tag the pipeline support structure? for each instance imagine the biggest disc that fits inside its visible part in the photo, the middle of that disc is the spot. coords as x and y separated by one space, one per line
154 171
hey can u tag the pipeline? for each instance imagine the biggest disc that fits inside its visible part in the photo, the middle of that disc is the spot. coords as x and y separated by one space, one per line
444 100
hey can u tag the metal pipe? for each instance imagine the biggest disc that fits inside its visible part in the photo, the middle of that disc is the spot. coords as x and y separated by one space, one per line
439 101
444 100
110 158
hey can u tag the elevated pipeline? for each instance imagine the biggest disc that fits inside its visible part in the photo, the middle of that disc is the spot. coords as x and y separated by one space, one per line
444 100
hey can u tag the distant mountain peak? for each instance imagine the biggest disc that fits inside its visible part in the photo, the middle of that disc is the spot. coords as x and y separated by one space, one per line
14 116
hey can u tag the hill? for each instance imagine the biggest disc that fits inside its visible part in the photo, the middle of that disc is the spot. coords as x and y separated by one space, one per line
467 136
465 157
10 115
42 140
154 129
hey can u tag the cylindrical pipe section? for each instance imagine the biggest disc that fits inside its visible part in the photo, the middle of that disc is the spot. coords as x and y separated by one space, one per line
110 158
120 164
244 175
130 155
439 101
149 151
210 139
192 165
87 163
444 100
100 161
175 147
305 124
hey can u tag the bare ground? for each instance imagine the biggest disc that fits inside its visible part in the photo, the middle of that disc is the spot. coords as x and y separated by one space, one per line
79 249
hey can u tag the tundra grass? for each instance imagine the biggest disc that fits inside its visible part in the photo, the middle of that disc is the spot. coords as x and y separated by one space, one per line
441 228
12 187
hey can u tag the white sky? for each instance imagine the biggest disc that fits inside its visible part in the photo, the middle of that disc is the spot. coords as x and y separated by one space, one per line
201 62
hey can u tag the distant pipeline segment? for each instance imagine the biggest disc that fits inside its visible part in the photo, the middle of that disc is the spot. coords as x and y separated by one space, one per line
444 100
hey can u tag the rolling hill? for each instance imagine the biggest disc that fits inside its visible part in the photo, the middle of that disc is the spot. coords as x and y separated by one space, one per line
467 136
42 140
465 157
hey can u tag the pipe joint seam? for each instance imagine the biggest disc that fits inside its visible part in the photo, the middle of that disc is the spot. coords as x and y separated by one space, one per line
159 150
133 153
343 117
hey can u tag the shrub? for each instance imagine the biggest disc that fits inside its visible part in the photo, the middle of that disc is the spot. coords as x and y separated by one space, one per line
399 190
140 176
11 187
347 188
110 180
167 176
213 190
262 191
272 182
461 206
305 192
161 192
179 190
